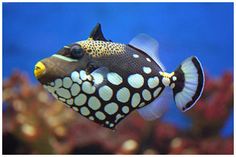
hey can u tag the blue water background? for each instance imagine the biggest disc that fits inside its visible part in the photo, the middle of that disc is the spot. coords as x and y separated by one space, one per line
32 31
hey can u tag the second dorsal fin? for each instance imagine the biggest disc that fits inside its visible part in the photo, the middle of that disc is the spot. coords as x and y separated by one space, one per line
148 45
97 34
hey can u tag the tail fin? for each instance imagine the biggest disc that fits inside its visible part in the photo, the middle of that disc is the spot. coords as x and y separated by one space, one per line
188 84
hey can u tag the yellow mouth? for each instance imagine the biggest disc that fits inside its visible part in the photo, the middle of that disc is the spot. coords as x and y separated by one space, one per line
39 69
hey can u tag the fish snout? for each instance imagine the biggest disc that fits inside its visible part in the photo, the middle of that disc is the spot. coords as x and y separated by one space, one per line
39 70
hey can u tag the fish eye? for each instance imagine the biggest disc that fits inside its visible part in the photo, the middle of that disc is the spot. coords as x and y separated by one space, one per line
76 51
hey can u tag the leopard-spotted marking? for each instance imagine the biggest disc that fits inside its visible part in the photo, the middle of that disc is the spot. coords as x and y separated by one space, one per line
101 48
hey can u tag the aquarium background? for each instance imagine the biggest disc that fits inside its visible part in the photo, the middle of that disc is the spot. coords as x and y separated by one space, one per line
35 123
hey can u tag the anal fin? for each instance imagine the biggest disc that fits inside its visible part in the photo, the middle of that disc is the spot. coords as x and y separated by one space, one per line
158 107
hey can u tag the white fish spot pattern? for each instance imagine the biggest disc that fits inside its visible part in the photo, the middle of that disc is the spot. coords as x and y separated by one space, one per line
88 88
75 108
50 89
118 116
84 111
123 95
136 80
153 82
100 115
148 59
142 104
83 75
146 95
166 81
69 102
94 103
80 99
74 76
58 83
135 56
91 118
98 78
67 82
62 92
135 100
125 109
114 78
111 108
156 92
105 93
62 99
147 70
75 89
174 78
54 95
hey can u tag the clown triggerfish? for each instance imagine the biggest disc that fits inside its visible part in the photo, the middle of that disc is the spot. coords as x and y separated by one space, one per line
105 81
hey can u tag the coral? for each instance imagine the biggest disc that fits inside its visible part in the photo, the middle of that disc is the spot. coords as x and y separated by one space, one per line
36 123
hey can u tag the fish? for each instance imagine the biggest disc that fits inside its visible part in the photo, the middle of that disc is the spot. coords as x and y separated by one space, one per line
105 81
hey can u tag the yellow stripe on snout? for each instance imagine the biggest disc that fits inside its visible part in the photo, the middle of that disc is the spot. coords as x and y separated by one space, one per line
64 58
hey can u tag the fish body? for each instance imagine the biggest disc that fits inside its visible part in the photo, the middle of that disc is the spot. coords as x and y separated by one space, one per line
105 81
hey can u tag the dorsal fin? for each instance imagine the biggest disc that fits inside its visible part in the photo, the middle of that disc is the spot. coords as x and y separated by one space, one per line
148 45
97 34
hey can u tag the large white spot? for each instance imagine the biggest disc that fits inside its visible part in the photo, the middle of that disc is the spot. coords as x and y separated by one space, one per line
114 78
111 108
83 75
100 115
75 89
67 82
125 109
166 81
75 77
123 95
136 80
62 92
153 82
135 100
80 99
88 88
94 103
105 93
156 92
146 95
84 111
58 83
98 78
147 70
